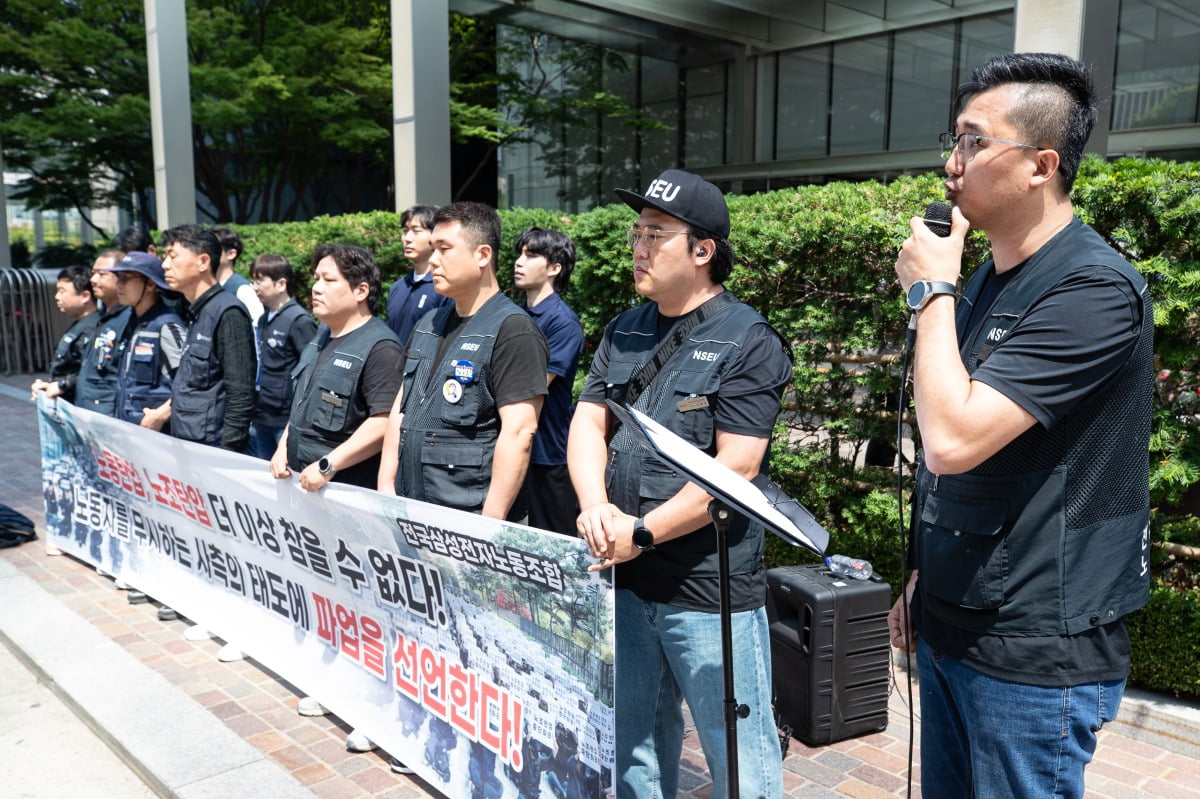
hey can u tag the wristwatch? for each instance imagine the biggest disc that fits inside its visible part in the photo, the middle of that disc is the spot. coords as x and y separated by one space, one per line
923 291
643 539
325 466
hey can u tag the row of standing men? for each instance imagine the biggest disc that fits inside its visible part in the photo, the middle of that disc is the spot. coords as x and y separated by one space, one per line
473 393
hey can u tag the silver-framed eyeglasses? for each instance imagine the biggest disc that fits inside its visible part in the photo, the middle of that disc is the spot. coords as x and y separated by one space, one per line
648 235
968 145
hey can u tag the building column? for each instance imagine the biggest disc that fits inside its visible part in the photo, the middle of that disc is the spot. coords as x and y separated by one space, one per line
5 247
1083 29
421 101
170 113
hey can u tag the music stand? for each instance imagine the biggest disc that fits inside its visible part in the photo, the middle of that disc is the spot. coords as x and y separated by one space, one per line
759 500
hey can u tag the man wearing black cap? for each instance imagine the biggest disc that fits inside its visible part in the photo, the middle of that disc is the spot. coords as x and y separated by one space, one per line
156 343
722 369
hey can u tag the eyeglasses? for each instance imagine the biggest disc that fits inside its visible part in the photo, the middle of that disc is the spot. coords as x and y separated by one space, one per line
648 236
968 145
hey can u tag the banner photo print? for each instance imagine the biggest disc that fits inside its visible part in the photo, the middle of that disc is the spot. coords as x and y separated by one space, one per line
477 652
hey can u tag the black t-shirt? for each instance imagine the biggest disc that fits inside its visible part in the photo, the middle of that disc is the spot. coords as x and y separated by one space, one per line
746 403
519 356
1065 348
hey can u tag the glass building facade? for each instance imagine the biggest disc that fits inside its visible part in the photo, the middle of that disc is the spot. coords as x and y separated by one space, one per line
845 107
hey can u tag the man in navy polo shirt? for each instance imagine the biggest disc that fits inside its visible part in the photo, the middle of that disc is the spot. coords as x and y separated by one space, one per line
545 259
412 296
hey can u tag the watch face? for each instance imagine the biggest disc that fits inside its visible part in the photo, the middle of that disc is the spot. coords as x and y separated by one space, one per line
643 538
916 294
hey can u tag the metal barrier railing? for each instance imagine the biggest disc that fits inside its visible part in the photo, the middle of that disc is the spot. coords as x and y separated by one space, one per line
30 322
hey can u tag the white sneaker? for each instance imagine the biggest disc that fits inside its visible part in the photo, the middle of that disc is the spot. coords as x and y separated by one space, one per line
52 550
399 767
357 742
310 707
230 653
196 633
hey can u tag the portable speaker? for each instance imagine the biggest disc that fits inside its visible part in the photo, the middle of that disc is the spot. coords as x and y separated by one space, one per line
830 652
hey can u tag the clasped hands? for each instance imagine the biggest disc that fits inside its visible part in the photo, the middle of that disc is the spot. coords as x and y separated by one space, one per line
608 532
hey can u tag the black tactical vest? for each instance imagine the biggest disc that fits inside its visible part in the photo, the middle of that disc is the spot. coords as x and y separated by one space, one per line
1049 536
680 397
451 423
324 413
71 350
276 363
198 391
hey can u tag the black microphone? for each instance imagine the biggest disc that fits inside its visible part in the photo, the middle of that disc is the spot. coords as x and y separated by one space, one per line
937 218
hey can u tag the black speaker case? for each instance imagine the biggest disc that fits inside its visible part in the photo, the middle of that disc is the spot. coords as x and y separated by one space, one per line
830 653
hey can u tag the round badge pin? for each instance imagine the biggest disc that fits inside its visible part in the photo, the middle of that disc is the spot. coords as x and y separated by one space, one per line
452 391
464 371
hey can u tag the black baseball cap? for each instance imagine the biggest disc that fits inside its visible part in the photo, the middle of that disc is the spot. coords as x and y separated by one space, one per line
687 197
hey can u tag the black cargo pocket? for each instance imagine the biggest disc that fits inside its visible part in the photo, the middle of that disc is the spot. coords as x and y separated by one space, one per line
200 372
454 474
964 557
331 406
659 482
461 405
692 409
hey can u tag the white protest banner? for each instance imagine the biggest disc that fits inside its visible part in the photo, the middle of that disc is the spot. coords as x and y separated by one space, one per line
479 653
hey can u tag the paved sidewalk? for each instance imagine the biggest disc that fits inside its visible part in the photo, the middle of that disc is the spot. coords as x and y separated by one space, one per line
193 727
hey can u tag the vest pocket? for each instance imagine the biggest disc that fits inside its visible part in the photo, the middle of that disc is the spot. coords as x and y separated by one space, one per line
659 482
465 411
454 474
331 405
963 556
143 363
692 410
198 364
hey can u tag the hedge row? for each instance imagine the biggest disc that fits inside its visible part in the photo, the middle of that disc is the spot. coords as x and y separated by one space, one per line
817 261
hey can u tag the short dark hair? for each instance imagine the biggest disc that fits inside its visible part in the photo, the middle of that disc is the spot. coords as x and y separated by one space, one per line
480 224
274 266
356 265
421 213
196 238
720 266
555 247
1055 108
132 239
80 277
229 239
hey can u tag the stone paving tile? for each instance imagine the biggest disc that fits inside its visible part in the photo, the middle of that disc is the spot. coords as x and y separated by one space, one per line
261 707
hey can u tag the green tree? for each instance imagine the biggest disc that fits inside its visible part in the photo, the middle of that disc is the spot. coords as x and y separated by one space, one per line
291 105
74 111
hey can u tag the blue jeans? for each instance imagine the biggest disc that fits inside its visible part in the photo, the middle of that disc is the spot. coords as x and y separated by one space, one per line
666 654
263 441
986 737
